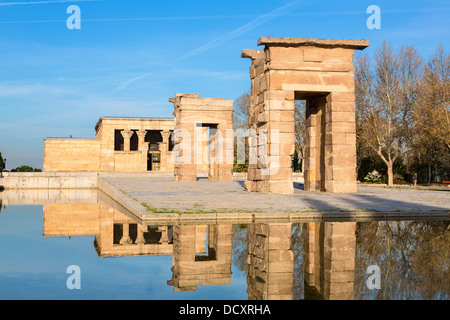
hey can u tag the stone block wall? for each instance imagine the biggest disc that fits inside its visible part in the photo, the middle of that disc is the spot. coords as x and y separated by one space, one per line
72 155
192 116
130 161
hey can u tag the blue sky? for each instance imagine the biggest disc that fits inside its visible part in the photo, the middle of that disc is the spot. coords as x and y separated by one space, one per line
131 56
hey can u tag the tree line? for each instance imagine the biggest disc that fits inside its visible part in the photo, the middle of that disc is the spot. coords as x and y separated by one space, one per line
23 168
402 115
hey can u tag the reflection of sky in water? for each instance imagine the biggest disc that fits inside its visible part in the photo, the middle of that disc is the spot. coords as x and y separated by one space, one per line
34 267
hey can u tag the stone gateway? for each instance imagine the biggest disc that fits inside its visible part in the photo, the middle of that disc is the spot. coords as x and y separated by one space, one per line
320 71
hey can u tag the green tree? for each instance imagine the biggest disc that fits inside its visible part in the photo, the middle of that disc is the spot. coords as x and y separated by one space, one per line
25 168
2 163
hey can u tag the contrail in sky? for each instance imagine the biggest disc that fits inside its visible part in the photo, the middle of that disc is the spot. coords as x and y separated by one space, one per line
280 11
126 83
261 19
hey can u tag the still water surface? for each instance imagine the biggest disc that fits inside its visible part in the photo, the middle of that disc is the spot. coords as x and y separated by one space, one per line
121 259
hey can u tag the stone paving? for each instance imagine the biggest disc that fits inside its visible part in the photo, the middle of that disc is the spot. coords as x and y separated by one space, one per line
163 195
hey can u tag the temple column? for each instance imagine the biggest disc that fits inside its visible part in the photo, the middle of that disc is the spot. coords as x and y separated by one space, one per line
164 236
141 140
126 234
140 234
270 262
126 134
166 136
163 158
143 148
212 163
164 148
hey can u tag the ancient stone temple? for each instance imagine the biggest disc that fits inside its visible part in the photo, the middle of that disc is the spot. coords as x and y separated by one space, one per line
199 120
203 142
321 72
120 145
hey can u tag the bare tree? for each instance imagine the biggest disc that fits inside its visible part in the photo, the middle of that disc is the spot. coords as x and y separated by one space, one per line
412 256
410 79
387 110
431 139
385 96
433 111
300 129
241 111
365 107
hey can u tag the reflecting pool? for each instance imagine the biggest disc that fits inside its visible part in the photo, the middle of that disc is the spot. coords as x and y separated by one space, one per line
43 235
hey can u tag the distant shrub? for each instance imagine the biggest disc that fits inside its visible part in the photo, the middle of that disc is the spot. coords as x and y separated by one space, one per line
240 167
373 176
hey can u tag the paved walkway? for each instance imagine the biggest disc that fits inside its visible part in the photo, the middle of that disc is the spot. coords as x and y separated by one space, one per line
163 195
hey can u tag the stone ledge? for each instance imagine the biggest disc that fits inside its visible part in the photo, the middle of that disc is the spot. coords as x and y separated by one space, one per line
49 180
330 43
147 217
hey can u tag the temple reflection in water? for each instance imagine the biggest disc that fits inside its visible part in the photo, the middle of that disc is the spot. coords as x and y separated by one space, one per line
202 254
309 260
329 260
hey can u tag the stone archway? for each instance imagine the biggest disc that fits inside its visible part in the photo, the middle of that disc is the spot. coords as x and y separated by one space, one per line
320 71
192 115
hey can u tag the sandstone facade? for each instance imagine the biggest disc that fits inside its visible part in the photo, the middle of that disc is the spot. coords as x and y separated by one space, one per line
120 145
72 155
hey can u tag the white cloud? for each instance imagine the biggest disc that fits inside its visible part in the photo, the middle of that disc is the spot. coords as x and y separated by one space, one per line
24 90
224 75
